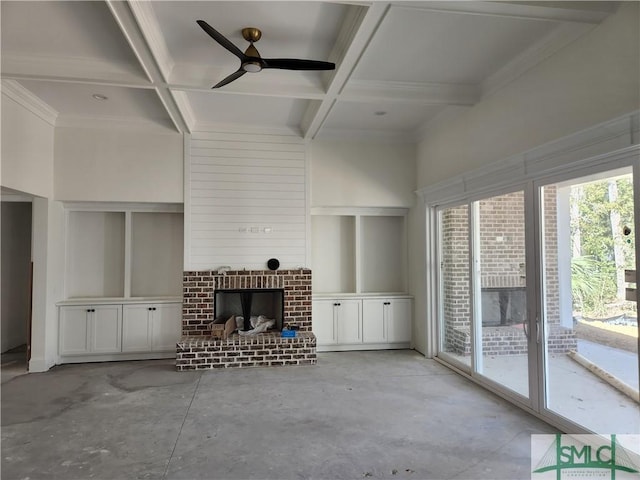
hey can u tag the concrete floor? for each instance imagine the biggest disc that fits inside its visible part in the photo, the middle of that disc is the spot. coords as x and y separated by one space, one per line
384 414
575 392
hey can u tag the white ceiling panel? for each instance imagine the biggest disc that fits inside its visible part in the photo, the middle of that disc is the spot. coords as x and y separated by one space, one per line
65 33
222 110
409 59
73 99
305 30
379 116
417 45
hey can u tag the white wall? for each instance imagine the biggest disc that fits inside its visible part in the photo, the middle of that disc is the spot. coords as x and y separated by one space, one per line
362 174
27 150
15 263
246 201
590 81
117 165
48 281
594 79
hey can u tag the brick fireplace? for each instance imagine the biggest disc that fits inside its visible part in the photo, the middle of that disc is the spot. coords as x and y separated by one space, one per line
198 350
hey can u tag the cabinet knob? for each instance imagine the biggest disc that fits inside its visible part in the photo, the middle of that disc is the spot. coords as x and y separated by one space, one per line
387 303
336 304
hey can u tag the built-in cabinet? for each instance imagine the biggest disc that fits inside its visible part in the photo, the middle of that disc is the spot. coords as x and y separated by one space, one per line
362 323
90 329
114 329
151 327
123 282
359 263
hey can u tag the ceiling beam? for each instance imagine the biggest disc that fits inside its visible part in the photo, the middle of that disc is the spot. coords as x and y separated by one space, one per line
132 32
352 42
265 89
71 69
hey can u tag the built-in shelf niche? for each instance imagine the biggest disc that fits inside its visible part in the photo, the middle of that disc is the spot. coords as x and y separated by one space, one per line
157 241
135 252
358 250
95 252
333 259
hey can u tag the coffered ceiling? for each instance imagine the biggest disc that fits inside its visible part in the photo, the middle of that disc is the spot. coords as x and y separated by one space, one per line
398 64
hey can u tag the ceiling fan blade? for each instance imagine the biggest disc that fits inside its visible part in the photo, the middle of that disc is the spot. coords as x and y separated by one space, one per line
234 76
221 39
296 64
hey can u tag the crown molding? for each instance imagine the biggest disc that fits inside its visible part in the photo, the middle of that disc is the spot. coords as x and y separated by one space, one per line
410 92
598 145
553 42
148 23
545 11
28 100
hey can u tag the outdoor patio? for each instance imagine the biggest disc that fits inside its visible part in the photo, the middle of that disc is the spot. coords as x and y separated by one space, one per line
575 392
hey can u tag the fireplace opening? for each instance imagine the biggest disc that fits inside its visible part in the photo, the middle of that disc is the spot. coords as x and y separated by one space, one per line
503 306
249 303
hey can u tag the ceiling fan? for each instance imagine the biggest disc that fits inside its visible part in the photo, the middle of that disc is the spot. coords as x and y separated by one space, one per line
251 61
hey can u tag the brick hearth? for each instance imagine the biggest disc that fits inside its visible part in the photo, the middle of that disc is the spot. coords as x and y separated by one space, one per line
198 350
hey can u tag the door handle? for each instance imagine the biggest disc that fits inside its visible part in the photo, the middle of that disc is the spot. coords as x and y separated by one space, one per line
525 327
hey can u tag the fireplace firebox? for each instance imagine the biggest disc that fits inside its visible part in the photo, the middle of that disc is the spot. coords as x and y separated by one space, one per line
289 303
246 302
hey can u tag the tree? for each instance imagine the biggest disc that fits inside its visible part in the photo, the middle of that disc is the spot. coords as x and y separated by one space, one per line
602 209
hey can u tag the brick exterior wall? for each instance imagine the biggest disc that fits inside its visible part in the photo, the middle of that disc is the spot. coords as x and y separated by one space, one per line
198 350
502 263
510 340
264 350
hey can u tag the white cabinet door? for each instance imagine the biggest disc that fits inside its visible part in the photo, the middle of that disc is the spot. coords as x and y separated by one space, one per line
374 328
349 321
399 320
324 322
86 329
166 326
136 328
106 329
74 330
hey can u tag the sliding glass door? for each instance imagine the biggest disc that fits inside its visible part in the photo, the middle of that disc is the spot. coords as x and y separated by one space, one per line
537 296
500 281
590 322
483 290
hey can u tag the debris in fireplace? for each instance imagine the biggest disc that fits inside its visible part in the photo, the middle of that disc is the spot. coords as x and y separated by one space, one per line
222 327
260 324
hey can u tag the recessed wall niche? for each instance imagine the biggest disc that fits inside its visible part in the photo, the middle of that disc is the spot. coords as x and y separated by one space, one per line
124 254
358 250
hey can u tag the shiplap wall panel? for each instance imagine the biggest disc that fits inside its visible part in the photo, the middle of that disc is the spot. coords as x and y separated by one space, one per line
239 184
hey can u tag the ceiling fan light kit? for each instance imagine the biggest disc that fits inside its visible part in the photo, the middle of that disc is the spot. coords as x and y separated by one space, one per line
251 61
